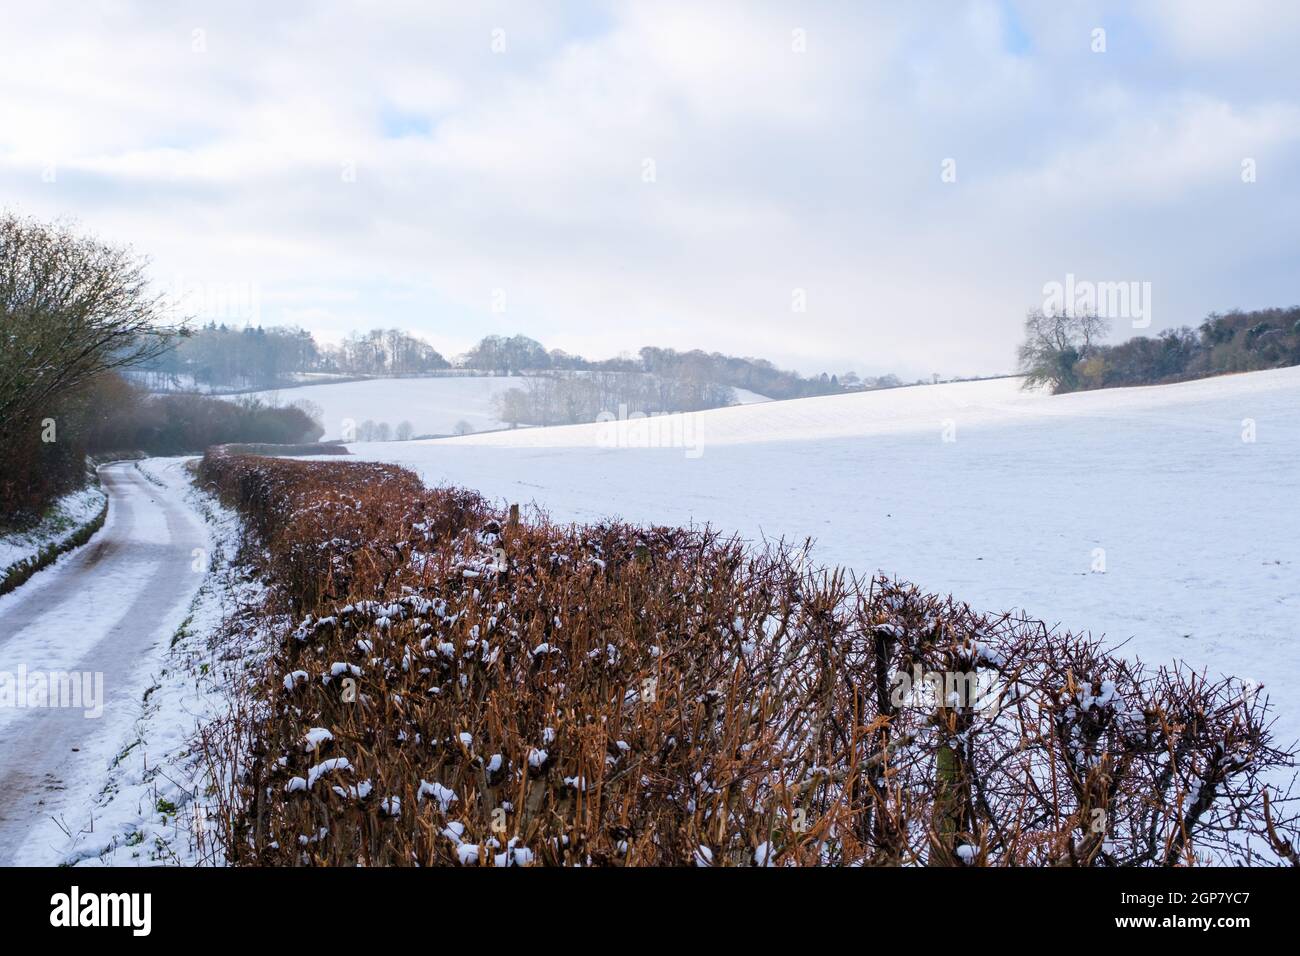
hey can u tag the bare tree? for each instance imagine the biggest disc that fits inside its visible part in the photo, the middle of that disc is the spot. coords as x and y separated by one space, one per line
513 406
1054 344
71 308
311 409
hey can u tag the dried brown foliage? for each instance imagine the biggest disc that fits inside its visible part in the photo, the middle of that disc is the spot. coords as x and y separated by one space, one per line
451 687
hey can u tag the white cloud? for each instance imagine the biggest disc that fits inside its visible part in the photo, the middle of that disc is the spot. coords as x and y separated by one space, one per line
1227 31
775 169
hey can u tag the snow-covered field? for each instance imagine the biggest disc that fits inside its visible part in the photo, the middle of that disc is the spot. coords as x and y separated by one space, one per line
745 397
162 382
433 406
1166 516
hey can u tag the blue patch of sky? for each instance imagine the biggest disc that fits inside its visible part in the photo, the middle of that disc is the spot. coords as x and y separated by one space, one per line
586 21
1015 39
1127 35
399 124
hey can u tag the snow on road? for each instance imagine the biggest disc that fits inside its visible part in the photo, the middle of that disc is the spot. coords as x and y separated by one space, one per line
1163 516
107 610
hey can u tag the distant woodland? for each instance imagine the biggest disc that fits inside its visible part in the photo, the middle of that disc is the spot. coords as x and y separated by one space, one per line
1064 352
217 357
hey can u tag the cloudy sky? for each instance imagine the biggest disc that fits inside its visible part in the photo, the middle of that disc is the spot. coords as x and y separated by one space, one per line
879 187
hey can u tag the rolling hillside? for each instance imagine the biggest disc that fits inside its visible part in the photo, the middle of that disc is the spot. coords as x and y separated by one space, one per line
1142 513
433 406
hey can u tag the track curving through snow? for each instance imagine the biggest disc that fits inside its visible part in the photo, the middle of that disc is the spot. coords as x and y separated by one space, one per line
108 608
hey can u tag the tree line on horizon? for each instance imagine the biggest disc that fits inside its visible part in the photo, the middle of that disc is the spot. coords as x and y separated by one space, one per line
222 357
1063 352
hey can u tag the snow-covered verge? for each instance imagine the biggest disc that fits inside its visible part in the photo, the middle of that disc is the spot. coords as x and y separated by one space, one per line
68 523
159 801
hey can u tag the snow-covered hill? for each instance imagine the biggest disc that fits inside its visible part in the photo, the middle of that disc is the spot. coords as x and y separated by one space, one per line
1165 515
433 406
